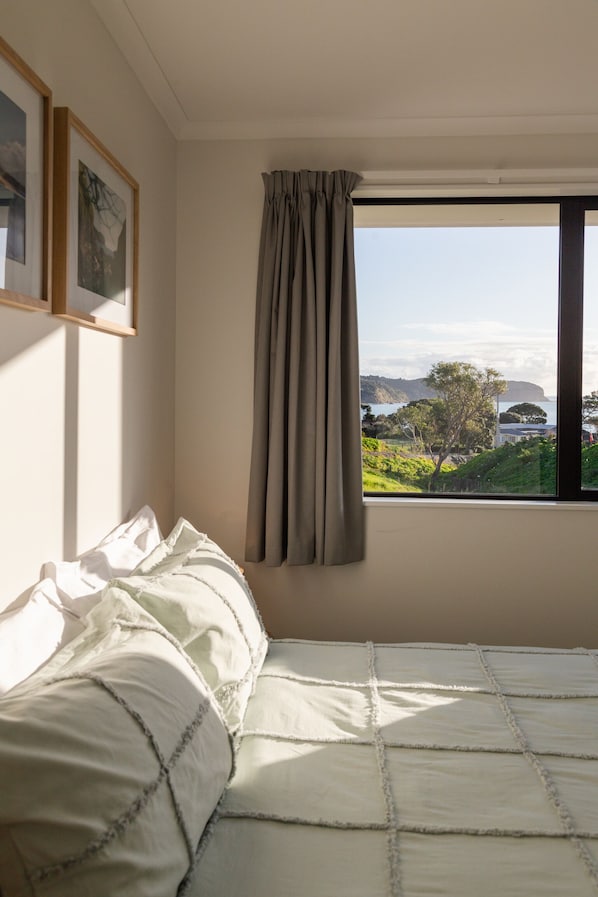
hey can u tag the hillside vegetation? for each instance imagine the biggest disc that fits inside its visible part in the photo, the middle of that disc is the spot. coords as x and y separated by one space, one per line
376 390
524 468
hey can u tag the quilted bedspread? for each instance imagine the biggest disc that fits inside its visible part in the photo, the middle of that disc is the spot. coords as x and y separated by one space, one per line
411 771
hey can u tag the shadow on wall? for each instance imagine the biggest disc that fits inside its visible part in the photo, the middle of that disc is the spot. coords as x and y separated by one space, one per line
15 341
31 373
22 340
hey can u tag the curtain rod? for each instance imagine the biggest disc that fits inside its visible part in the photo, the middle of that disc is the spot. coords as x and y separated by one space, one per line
478 181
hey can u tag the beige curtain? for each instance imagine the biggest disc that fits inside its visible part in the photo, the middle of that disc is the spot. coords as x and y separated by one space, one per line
305 495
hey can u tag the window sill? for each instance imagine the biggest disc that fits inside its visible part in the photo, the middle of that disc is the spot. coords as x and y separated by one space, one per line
479 503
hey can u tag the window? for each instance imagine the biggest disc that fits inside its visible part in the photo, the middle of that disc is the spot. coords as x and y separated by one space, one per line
478 326
3 235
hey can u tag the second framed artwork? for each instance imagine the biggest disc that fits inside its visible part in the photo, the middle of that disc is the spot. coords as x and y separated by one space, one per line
95 238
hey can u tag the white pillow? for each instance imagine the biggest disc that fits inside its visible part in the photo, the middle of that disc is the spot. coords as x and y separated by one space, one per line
32 633
198 593
112 760
80 582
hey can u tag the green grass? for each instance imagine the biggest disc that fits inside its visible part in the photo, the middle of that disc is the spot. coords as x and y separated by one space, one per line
589 466
524 468
387 468
373 482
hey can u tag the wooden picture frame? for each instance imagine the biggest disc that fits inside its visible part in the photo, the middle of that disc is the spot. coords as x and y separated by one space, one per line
25 184
95 234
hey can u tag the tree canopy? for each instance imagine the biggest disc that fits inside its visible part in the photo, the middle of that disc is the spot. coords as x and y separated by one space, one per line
466 393
527 412
589 408
460 418
507 417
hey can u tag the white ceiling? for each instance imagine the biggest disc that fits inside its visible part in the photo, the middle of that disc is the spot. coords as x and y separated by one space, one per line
350 68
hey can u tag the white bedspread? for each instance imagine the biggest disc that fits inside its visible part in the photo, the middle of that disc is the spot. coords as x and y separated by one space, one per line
412 771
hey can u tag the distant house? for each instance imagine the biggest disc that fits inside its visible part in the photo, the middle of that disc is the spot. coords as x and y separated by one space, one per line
517 432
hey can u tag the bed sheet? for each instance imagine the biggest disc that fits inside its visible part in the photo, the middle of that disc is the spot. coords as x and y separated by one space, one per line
411 771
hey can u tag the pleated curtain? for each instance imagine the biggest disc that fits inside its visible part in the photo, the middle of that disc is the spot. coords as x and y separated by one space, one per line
305 495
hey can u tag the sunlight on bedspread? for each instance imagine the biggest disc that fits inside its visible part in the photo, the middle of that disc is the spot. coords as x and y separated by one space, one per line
411 771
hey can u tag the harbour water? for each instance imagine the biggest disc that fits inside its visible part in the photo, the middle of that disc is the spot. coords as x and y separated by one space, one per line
548 407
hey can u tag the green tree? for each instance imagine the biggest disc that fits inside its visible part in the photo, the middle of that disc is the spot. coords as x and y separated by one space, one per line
386 427
507 417
589 408
466 393
479 434
528 413
420 421
367 421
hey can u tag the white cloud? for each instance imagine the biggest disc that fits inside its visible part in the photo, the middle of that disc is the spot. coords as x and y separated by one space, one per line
465 329
532 359
516 354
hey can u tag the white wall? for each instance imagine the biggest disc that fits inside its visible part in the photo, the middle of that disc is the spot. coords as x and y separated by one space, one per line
87 418
88 422
437 571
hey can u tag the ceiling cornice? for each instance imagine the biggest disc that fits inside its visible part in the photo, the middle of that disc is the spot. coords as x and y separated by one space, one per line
474 126
125 32
123 28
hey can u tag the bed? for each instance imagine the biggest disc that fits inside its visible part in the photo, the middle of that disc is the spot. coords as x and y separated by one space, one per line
171 748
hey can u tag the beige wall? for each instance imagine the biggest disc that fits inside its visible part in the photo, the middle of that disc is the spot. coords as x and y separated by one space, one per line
440 571
88 421
87 418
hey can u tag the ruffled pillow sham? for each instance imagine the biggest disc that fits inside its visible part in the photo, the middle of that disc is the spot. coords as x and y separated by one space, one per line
112 759
198 593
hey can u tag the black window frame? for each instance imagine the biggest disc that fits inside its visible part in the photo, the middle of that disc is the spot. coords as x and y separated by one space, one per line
572 209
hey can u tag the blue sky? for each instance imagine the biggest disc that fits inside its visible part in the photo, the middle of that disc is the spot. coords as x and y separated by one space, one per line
486 295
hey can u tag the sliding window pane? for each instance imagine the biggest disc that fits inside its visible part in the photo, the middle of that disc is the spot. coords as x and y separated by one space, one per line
458 312
589 441
3 239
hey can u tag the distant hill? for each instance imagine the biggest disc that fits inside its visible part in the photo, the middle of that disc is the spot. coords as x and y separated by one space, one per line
522 391
381 390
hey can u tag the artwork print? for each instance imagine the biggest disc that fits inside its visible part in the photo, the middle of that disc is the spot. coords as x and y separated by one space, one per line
102 250
95 244
13 145
25 184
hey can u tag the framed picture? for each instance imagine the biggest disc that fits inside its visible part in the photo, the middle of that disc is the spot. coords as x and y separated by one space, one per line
95 234
25 188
